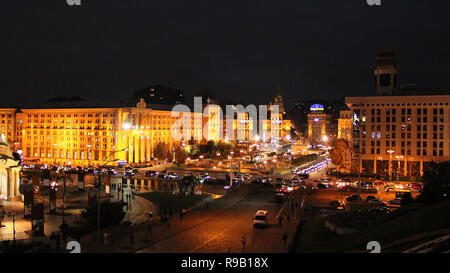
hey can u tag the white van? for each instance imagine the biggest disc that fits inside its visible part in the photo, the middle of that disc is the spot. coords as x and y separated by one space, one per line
261 219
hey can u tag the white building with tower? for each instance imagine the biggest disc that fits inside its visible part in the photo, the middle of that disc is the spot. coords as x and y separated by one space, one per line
9 171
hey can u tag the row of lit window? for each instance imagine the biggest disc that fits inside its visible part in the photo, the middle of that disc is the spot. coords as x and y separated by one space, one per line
419 152
72 115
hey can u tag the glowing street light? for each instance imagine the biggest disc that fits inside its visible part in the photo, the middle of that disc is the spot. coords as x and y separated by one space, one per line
126 126
325 138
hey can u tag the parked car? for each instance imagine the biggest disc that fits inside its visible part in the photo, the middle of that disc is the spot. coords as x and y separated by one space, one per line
379 210
354 198
172 175
377 202
336 203
396 201
371 197
150 173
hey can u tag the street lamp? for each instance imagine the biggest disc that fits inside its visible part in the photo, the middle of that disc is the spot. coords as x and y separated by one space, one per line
398 160
104 162
390 152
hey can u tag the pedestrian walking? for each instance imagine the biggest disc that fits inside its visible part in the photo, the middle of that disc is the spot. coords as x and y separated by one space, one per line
285 236
288 218
181 215
162 219
168 223
170 213
280 220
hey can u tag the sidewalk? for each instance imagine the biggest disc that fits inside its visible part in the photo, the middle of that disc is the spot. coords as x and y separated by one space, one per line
143 238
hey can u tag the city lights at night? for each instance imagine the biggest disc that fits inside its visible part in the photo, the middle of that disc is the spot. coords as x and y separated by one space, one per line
231 136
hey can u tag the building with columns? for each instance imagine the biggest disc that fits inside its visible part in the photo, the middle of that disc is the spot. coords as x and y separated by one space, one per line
400 135
83 136
9 171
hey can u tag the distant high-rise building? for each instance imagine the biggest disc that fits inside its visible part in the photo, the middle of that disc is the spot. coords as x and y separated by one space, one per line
385 71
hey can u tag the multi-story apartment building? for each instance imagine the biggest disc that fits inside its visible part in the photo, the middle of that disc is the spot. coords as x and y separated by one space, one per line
345 128
400 135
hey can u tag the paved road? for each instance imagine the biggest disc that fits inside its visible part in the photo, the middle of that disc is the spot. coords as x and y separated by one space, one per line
224 232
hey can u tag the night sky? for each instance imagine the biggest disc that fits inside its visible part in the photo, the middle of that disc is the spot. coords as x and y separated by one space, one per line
239 49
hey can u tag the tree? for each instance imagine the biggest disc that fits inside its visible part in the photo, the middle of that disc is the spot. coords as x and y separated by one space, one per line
341 153
436 183
180 155
207 148
161 150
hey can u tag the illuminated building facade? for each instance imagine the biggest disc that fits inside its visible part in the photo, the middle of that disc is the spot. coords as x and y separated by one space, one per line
321 126
9 171
345 127
400 135
100 136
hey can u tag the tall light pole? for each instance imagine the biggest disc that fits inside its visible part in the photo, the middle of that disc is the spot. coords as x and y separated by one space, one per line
231 170
390 159
98 191
398 170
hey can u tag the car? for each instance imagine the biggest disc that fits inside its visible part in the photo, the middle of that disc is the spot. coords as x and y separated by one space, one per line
172 175
261 219
248 177
371 197
379 210
377 202
336 203
266 180
279 197
282 189
354 198
415 186
150 173
322 185
389 188
396 201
